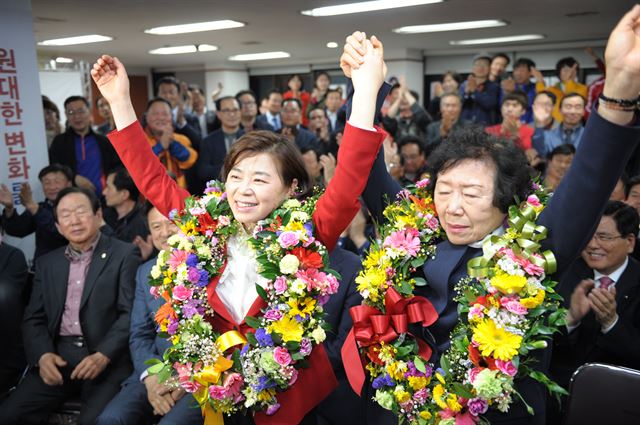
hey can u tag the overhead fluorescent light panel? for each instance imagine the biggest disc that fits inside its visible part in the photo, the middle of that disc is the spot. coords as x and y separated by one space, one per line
450 26
365 6
195 27
80 39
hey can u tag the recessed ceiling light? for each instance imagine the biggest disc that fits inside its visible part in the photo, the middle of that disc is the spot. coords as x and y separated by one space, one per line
174 50
451 26
195 27
332 45
494 40
61 59
365 6
259 56
81 39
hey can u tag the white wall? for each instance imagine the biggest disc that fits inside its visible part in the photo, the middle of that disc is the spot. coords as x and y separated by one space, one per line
58 85
233 80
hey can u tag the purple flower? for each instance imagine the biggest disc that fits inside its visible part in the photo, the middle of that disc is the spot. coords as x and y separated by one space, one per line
273 315
191 308
308 226
305 346
193 275
203 280
244 350
264 338
477 406
172 327
383 381
272 409
192 260
264 383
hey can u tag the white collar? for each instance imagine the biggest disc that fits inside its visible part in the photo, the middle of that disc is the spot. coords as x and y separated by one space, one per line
499 231
615 275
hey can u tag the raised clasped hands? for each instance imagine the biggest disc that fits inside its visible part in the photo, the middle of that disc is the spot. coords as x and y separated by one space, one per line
362 60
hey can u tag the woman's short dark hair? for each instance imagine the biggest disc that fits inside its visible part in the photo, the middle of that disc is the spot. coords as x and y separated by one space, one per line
299 78
625 216
513 173
93 199
319 74
453 74
285 153
568 62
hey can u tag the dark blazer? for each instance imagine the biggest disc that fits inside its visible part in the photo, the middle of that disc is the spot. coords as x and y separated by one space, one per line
105 306
192 130
212 153
262 121
63 151
342 406
433 131
305 139
569 217
620 346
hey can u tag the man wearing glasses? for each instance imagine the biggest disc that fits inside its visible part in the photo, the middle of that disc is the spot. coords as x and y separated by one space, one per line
89 155
602 293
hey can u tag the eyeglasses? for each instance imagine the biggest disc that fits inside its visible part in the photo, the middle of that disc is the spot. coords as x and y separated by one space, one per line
72 112
230 111
606 238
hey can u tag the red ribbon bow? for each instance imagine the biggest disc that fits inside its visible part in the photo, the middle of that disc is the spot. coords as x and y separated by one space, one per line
371 327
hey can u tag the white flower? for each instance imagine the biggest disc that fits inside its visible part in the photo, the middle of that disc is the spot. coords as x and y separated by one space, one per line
298 286
185 244
318 335
289 264
174 239
291 203
300 216
155 271
204 251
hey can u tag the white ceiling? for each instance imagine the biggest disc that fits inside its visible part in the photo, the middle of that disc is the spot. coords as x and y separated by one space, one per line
278 25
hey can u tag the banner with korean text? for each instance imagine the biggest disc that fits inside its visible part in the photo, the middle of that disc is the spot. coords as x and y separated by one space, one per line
23 146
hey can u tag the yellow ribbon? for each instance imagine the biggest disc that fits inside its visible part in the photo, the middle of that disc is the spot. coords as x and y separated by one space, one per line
210 375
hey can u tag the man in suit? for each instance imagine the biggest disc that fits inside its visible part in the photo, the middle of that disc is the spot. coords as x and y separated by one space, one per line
291 127
184 123
142 397
272 116
450 109
602 292
76 325
89 155
249 112
216 145
207 120
475 180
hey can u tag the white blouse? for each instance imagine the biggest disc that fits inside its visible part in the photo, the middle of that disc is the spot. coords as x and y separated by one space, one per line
237 285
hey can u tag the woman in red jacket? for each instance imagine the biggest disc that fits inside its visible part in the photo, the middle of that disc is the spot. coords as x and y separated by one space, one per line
262 170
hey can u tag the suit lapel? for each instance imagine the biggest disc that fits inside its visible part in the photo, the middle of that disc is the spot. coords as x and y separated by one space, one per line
439 270
100 258
60 278
628 282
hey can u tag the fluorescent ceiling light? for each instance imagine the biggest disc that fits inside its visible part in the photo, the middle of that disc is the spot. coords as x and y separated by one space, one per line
174 50
259 56
207 48
61 59
195 27
332 45
451 26
81 39
494 40
365 6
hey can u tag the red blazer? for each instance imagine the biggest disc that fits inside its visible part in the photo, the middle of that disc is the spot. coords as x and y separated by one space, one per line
334 211
523 141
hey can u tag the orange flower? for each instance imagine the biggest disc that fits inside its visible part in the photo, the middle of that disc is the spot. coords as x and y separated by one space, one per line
308 259
165 311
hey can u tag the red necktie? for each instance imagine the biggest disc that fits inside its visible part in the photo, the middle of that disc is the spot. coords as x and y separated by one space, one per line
605 282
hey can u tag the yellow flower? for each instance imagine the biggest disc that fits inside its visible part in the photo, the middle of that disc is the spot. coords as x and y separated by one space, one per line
495 341
404 221
425 414
374 258
535 301
452 403
294 226
289 328
440 378
266 395
301 307
438 392
396 370
188 228
373 280
508 284
401 396
417 382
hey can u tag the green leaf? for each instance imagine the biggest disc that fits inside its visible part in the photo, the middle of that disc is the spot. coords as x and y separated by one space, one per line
444 364
152 361
462 390
252 338
420 281
419 364
156 368
252 322
417 262
262 292
405 288
293 345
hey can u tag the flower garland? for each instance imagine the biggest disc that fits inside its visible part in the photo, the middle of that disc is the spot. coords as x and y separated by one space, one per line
212 367
507 308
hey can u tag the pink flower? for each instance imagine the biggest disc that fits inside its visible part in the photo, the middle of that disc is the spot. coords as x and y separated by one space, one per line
281 356
184 370
473 373
514 307
190 386
333 284
223 220
177 258
532 269
280 285
422 183
273 315
433 223
233 383
182 293
475 312
294 376
421 395
533 201
506 367
217 392
288 239
404 240
154 291
272 409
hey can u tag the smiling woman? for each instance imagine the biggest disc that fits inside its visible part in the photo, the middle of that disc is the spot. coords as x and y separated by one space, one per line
261 172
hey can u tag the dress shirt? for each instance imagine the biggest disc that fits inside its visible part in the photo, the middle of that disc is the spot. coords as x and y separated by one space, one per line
202 121
499 231
333 118
274 120
79 263
237 285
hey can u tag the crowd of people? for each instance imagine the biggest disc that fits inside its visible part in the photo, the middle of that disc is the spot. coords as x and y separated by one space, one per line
84 303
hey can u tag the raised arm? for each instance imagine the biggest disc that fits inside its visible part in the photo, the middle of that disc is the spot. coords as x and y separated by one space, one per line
130 140
360 144
609 139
